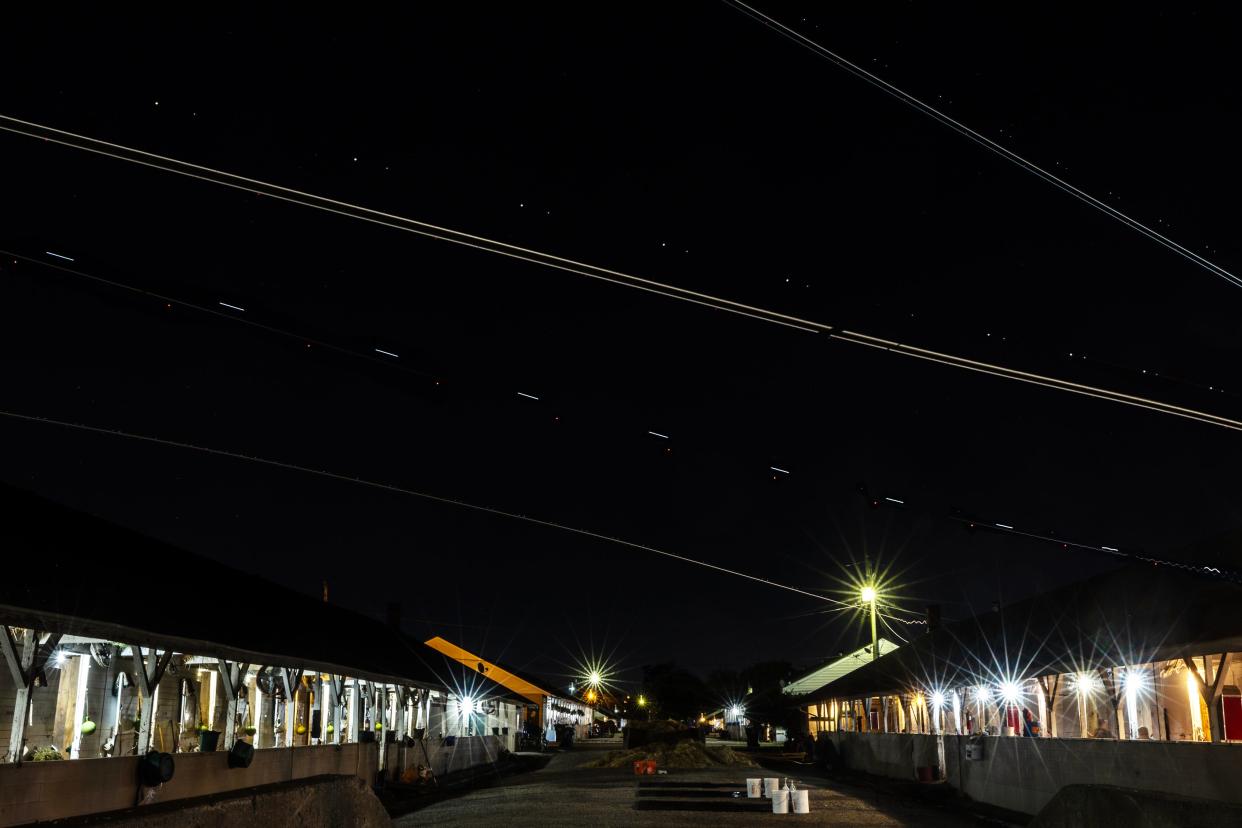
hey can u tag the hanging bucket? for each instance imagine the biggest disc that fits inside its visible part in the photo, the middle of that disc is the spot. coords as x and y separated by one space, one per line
780 802
801 800
207 740
754 788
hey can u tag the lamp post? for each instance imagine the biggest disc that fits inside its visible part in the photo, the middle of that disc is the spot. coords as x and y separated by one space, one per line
868 596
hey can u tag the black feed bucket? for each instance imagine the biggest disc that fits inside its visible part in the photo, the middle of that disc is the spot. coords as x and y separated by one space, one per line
156 768
241 754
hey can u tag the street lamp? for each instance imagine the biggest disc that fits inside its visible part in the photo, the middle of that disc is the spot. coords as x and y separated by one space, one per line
869 596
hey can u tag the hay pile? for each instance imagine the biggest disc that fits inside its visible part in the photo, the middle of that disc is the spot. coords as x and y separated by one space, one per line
685 754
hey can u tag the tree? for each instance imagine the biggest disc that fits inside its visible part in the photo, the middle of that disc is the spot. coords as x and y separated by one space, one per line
674 692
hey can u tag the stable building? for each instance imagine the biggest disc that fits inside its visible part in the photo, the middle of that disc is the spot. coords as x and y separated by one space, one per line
1115 679
547 707
242 681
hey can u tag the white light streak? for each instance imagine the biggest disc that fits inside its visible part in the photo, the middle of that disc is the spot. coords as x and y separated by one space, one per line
895 500
387 353
1109 549
396 222
1004 525
57 255
775 469
658 434
982 140
527 396
234 307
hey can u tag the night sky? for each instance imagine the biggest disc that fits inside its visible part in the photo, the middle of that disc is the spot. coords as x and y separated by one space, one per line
680 142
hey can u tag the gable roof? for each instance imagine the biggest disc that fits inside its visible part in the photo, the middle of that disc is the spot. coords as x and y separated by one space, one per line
1136 614
835 668
70 572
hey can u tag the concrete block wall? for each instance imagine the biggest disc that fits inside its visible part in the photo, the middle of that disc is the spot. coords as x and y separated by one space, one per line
1023 774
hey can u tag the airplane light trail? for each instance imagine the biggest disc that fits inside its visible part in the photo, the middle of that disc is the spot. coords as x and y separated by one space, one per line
341 208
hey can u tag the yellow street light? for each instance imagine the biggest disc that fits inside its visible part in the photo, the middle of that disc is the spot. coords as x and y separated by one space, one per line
869 596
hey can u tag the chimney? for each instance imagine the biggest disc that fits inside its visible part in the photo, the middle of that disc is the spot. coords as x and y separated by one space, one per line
394 614
933 617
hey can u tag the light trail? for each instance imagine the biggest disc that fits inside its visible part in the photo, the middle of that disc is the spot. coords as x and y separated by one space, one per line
388 487
234 307
960 128
355 211
135 156
387 353
528 396
775 469
173 301
57 255
658 434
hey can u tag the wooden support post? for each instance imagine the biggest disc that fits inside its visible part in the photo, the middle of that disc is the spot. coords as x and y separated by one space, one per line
232 676
355 710
1211 693
1050 696
290 680
337 685
24 668
148 680
381 714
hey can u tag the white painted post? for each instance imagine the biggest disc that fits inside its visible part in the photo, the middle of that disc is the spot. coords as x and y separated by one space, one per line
338 698
381 713
355 713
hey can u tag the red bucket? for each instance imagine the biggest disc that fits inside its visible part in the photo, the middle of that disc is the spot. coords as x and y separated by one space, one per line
651 767
640 767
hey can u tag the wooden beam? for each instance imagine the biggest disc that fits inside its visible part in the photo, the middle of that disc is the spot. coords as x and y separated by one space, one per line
8 644
1218 684
26 667
148 681
231 676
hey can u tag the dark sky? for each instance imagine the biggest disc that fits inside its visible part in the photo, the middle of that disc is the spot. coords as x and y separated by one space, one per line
681 142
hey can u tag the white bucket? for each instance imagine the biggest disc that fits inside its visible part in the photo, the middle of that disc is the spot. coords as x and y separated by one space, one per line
754 788
770 786
780 802
801 801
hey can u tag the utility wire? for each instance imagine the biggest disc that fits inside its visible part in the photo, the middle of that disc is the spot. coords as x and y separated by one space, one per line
388 487
251 185
982 140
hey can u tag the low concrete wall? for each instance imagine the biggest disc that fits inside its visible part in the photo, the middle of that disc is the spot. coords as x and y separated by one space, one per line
34 791
467 752
1023 774
1099 806
323 800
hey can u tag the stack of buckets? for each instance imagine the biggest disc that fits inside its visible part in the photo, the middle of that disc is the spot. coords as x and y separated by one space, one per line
785 798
